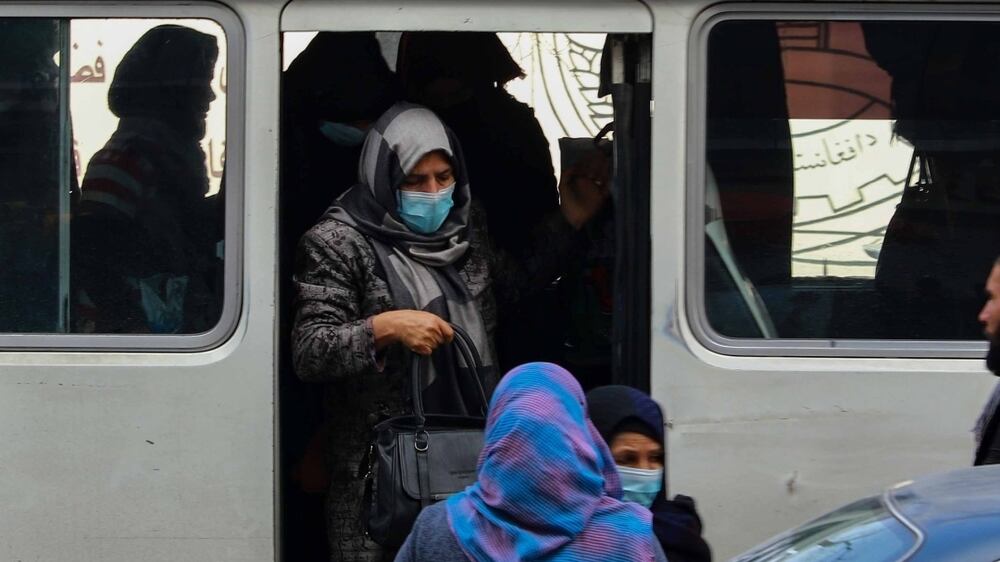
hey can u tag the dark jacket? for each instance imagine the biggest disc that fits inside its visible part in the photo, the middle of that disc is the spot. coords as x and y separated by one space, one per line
675 522
988 448
988 451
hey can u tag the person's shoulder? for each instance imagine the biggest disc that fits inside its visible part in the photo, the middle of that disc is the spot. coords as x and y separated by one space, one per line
333 232
658 554
504 109
500 96
433 518
432 537
333 241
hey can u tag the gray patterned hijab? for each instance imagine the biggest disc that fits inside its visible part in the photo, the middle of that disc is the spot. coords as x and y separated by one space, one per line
397 141
419 268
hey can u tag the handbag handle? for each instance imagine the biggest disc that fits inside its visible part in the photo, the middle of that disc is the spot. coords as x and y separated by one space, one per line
471 357
463 344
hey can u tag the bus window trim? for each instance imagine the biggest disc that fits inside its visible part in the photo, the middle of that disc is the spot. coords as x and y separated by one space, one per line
588 16
696 314
233 278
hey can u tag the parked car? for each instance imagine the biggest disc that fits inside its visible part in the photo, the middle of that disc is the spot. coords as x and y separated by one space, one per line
948 517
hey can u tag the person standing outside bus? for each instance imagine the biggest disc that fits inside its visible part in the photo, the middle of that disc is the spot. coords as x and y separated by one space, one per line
988 427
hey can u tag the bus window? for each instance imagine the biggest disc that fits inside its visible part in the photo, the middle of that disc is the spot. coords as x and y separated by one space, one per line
853 175
33 190
113 162
525 108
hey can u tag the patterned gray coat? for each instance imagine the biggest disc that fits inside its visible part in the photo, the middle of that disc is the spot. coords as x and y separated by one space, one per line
339 287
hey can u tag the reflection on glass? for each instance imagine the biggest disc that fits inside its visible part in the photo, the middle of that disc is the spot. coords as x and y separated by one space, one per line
134 110
29 176
145 232
858 166
862 531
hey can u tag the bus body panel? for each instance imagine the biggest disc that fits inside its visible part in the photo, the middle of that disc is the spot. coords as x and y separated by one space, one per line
119 456
124 456
765 443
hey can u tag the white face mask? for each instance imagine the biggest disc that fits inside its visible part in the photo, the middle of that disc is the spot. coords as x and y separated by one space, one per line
640 485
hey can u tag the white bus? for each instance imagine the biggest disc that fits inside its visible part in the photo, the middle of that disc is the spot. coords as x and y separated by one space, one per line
804 210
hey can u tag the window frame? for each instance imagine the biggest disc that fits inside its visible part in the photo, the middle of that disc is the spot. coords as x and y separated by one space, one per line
696 140
233 187
519 16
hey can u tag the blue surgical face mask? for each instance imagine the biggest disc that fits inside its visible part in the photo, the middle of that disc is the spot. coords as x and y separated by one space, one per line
640 485
341 134
425 212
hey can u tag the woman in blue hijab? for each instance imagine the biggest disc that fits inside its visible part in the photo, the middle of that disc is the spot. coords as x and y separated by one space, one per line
546 487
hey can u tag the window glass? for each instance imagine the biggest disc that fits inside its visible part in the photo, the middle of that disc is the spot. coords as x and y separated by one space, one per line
863 530
32 193
853 173
113 155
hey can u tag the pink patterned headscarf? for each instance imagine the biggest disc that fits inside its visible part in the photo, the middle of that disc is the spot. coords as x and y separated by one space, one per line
547 487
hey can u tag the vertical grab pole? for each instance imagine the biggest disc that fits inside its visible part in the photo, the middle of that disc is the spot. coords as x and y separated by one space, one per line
65 177
631 92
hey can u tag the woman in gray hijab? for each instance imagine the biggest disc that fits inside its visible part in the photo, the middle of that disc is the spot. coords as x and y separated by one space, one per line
397 257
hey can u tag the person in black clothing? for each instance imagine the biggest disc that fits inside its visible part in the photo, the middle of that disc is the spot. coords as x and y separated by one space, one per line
632 425
333 91
946 226
988 427
461 77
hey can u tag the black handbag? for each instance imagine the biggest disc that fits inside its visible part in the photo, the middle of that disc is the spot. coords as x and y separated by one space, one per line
418 459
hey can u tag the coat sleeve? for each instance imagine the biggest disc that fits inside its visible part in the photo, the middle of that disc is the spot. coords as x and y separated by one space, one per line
331 338
989 450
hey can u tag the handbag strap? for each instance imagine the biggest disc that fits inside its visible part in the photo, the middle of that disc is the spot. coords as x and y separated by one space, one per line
470 354
463 344
423 475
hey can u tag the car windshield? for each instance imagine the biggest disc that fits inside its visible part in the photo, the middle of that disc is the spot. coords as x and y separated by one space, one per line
863 530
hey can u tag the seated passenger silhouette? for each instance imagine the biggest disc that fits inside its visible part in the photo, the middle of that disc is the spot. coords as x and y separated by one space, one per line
145 235
945 230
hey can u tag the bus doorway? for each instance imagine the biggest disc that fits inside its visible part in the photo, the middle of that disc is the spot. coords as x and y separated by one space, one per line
548 100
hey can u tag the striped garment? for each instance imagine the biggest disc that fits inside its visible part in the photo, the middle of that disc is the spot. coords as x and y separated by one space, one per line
547 487
144 235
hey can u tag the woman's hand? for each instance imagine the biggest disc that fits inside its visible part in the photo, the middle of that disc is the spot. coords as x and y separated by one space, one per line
421 332
584 188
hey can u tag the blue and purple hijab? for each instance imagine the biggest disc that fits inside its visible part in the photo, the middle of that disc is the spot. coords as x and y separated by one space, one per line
547 487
